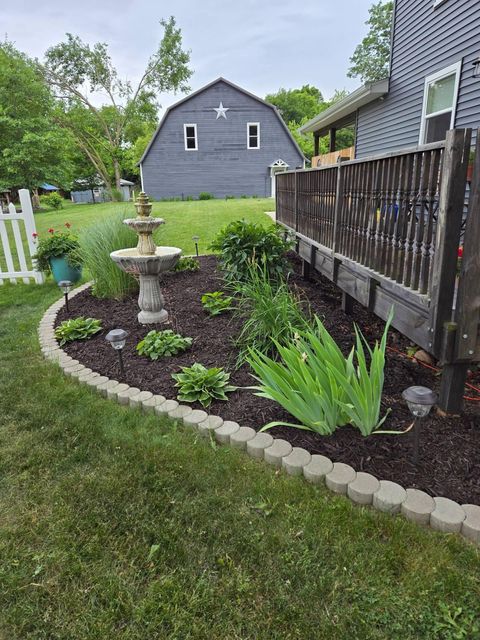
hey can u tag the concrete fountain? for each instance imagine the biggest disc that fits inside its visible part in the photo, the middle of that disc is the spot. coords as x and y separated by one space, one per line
147 261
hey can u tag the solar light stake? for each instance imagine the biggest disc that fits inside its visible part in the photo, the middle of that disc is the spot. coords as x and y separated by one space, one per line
196 239
117 338
66 287
420 400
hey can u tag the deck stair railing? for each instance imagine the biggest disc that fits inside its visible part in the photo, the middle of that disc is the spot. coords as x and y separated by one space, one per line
387 230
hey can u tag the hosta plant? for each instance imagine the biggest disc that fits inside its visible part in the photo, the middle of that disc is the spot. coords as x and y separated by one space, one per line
187 263
157 344
199 384
77 329
216 303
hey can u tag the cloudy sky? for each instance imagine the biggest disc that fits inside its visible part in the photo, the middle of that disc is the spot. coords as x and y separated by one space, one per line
261 45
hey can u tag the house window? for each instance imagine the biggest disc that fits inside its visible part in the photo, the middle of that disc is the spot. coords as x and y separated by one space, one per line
190 135
253 135
439 104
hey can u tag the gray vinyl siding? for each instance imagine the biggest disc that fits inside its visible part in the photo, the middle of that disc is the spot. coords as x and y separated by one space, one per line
426 40
222 165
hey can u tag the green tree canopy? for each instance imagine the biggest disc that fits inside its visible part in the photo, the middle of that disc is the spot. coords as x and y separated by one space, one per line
77 71
370 60
296 104
32 148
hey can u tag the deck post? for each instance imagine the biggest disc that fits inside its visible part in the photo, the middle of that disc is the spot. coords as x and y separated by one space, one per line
338 209
449 222
347 303
467 305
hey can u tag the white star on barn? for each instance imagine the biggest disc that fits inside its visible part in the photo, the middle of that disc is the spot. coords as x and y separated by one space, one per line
221 111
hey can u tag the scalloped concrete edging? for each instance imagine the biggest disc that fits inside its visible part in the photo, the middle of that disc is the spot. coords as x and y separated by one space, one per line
441 514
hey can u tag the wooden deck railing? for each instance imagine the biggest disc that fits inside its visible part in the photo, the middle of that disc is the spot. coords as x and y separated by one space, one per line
387 229
326 159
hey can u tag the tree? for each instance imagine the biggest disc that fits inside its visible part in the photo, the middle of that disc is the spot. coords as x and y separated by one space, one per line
32 149
371 58
77 71
296 104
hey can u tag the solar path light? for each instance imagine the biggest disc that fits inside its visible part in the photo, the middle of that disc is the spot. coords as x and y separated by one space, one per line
117 338
420 401
66 287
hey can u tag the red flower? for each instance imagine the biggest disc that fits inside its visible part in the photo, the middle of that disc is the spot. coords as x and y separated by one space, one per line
51 230
460 252
34 235
68 225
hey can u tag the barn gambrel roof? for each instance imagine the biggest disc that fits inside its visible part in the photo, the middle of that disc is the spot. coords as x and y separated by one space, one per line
207 86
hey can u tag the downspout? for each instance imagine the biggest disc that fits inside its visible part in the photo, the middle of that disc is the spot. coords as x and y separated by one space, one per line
141 177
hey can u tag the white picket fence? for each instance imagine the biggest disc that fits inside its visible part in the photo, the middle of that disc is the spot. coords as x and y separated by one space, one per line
18 265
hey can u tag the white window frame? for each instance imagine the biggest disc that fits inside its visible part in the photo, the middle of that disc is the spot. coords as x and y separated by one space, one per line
443 73
185 136
256 124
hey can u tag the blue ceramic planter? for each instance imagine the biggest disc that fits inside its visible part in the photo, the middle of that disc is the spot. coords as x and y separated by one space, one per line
61 270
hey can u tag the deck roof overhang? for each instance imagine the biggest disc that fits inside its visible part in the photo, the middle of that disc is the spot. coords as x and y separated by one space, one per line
343 111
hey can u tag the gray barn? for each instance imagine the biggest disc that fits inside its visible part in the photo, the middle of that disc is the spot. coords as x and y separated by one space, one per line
434 82
221 140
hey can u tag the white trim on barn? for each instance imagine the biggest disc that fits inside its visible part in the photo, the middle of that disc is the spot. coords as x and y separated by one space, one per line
279 166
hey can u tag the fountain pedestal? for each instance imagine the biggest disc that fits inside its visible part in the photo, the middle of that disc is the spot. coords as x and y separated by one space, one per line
147 262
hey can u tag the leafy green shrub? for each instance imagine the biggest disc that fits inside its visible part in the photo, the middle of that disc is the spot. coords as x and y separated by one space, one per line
321 388
52 201
157 344
216 303
271 313
77 329
55 245
240 243
229 197
205 196
197 383
97 242
189 198
187 263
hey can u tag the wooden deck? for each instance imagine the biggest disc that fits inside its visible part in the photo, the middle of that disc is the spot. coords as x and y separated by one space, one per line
386 230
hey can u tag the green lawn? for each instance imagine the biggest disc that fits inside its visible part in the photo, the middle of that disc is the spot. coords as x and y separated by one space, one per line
114 524
182 219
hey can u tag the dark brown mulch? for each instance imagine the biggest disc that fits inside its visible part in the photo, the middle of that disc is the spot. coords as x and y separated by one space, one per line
450 461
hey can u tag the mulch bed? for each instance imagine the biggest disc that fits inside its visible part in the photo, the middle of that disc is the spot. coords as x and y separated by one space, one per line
450 446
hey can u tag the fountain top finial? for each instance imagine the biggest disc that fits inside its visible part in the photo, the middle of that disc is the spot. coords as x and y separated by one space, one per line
143 205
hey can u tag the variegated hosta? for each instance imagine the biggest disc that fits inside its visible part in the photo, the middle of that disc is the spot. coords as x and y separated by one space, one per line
199 384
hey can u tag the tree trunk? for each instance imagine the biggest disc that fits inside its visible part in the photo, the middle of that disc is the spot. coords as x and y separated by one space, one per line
116 167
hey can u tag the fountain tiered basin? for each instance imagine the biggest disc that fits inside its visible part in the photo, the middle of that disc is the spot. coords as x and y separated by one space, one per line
147 262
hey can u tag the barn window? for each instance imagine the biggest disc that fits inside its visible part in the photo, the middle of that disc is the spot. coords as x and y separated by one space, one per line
439 104
190 135
253 135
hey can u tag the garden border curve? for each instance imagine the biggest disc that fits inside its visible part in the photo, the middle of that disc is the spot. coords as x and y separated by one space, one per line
441 514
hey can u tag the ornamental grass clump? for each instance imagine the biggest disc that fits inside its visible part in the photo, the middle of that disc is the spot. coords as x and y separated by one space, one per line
96 244
77 329
199 384
270 311
321 388
157 344
240 243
